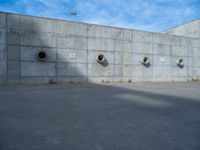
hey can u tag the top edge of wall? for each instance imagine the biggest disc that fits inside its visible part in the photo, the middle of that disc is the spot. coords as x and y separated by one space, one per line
56 19
177 26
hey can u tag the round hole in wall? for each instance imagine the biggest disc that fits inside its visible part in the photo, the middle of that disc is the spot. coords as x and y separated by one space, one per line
180 63
145 60
100 58
41 56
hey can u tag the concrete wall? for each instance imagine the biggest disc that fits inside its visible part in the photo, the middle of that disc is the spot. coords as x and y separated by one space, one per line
72 49
191 29
2 48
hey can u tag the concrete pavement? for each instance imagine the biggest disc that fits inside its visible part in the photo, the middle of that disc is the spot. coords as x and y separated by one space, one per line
139 116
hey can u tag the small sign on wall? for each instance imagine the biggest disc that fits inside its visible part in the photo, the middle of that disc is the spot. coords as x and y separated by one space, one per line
72 55
162 59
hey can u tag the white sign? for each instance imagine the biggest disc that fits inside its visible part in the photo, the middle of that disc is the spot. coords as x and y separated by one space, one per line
162 59
72 55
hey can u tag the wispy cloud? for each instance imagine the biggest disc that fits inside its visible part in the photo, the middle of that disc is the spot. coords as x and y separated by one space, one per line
154 15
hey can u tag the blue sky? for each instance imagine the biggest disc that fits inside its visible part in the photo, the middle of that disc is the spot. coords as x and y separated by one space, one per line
149 15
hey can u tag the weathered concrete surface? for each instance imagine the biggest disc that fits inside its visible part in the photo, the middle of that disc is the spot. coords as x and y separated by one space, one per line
72 49
190 29
2 48
137 116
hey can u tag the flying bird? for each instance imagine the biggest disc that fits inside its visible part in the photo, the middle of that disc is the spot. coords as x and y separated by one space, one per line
73 13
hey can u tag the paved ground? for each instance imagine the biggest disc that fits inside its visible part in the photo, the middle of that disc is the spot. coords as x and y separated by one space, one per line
137 116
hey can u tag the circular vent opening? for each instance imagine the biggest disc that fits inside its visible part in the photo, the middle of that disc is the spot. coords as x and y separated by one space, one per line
100 58
41 56
180 63
145 61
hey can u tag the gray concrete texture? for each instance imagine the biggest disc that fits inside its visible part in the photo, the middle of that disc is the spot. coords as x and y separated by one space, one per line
190 29
137 116
72 49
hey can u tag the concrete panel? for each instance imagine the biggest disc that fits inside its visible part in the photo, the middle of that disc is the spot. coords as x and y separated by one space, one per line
190 73
105 32
178 72
166 39
196 72
100 44
13 53
71 55
119 57
162 49
2 68
128 35
29 53
119 45
80 69
197 62
38 69
186 41
118 71
127 60
162 39
162 71
32 38
13 36
2 36
139 47
179 51
71 42
142 72
109 56
128 46
13 69
13 21
127 71
2 20
140 36
196 52
71 28
2 52
196 43
190 51
37 24
97 70
175 40
190 62
65 69
160 60
31 23
71 69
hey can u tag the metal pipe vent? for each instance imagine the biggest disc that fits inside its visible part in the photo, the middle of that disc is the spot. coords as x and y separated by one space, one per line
100 58
180 63
145 61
